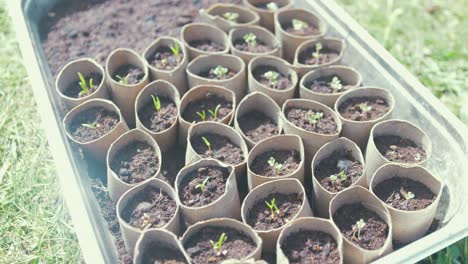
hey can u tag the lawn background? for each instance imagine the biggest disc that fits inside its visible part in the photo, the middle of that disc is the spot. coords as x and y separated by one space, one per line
429 37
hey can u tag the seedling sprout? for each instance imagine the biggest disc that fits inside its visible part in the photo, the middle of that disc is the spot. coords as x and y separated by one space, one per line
250 39
341 176
318 48
122 80
219 245
207 143
202 115
156 103
314 117
215 112
90 125
358 227
365 108
231 16
83 83
175 48
409 196
417 157
272 6
220 71
273 207
336 83
202 185
272 76
299 24
277 166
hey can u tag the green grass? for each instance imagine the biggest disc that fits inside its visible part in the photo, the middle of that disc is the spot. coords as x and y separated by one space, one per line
34 225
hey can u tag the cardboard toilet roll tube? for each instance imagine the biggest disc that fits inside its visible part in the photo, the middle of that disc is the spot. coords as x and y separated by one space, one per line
215 15
305 224
176 76
358 131
115 185
69 74
322 196
267 16
96 148
124 95
328 43
280 96
276 143
312 141
348 76
166 138
257 101
222 130
262 35
409 226
202 64
358 194
394 127
197 93
157 237
290 41
203 31
227 205
229 223
130 234
282 186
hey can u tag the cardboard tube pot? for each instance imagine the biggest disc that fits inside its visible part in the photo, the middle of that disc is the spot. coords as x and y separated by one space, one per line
230 223
322 196
197 93
280 96
96 148
152 238
203 64
358 131
331 44
222 130
215 15
357 194
176 76
409 226
115 185
260 102
262 35
203 31
124 95
166 138
394 127
267 16
69 74
348 76
275 143
312 141
227 205
290 41
282 186
305 224
130 234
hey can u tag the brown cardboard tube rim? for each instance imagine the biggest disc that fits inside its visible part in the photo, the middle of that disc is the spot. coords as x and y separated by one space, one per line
215 60
234 34
161 42
130 53
286 4
207 27
309 16
214 11
285 70
310 43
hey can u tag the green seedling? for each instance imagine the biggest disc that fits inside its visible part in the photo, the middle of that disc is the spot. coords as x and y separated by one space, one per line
318 48
215 112
273 208
207 143
123 80
417 157
202 115
175 48
408 195
84 85
272 6
277 166
314 117
299 24
336 83
231 16
365 108
220 71
156 103
164 62
217 246
90 125
250 39
202 185
358 228
272 76
338 177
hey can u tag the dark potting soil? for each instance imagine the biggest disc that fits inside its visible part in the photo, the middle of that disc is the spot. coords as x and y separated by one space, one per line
160 254
303 118
152 207
174 161
372 235
310 30
260 216
74 89
257 126
207 45
135 162
164 59
339 163
324 85
158 121
211 74
203 186
236 246
281 83
260 47
92 124
206 104
283 162
325 56
129 74
221 148
363 108
404 194
311 247
398 149
93 28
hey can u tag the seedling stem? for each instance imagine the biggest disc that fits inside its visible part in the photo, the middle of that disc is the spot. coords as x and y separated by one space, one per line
175 48
277 166
231 16
358 227
299 24
156 103
90 125
202 115
220 71
83 83
318 48
217 246
207 143
273 207
215 112
202 185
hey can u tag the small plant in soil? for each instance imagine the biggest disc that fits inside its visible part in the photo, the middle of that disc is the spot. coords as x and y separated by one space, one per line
250 39
220 71
90 125
231 16
202 185
314 118
207 143
272 77
299 25
398 149
84 86
277 166
215 112
122 80
273 208
335 178
202 115
218 147
336 83
272 6
407 195
360 224
156 103
175 49
364 107
217 246
316 53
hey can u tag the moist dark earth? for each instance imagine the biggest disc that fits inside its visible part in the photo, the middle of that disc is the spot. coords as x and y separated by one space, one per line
363 108
92 124
257 126
164 59
158 121
282 83
323 85
128 74
260 47
288 161
221 148
310 247
398 149
211 74
301 118
337 162
158 253
74 90
207 106
207 45
325 55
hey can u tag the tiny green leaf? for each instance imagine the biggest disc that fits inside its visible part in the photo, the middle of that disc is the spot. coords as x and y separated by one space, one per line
318 48
215 112
299 24
360 224
220 71
207 143
156 103
364 107
314 117
123 80
202 185
175 48
272 76
336 83
90 125
231 16
202 115
83 84
273 207
250 39
272 6
217 246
